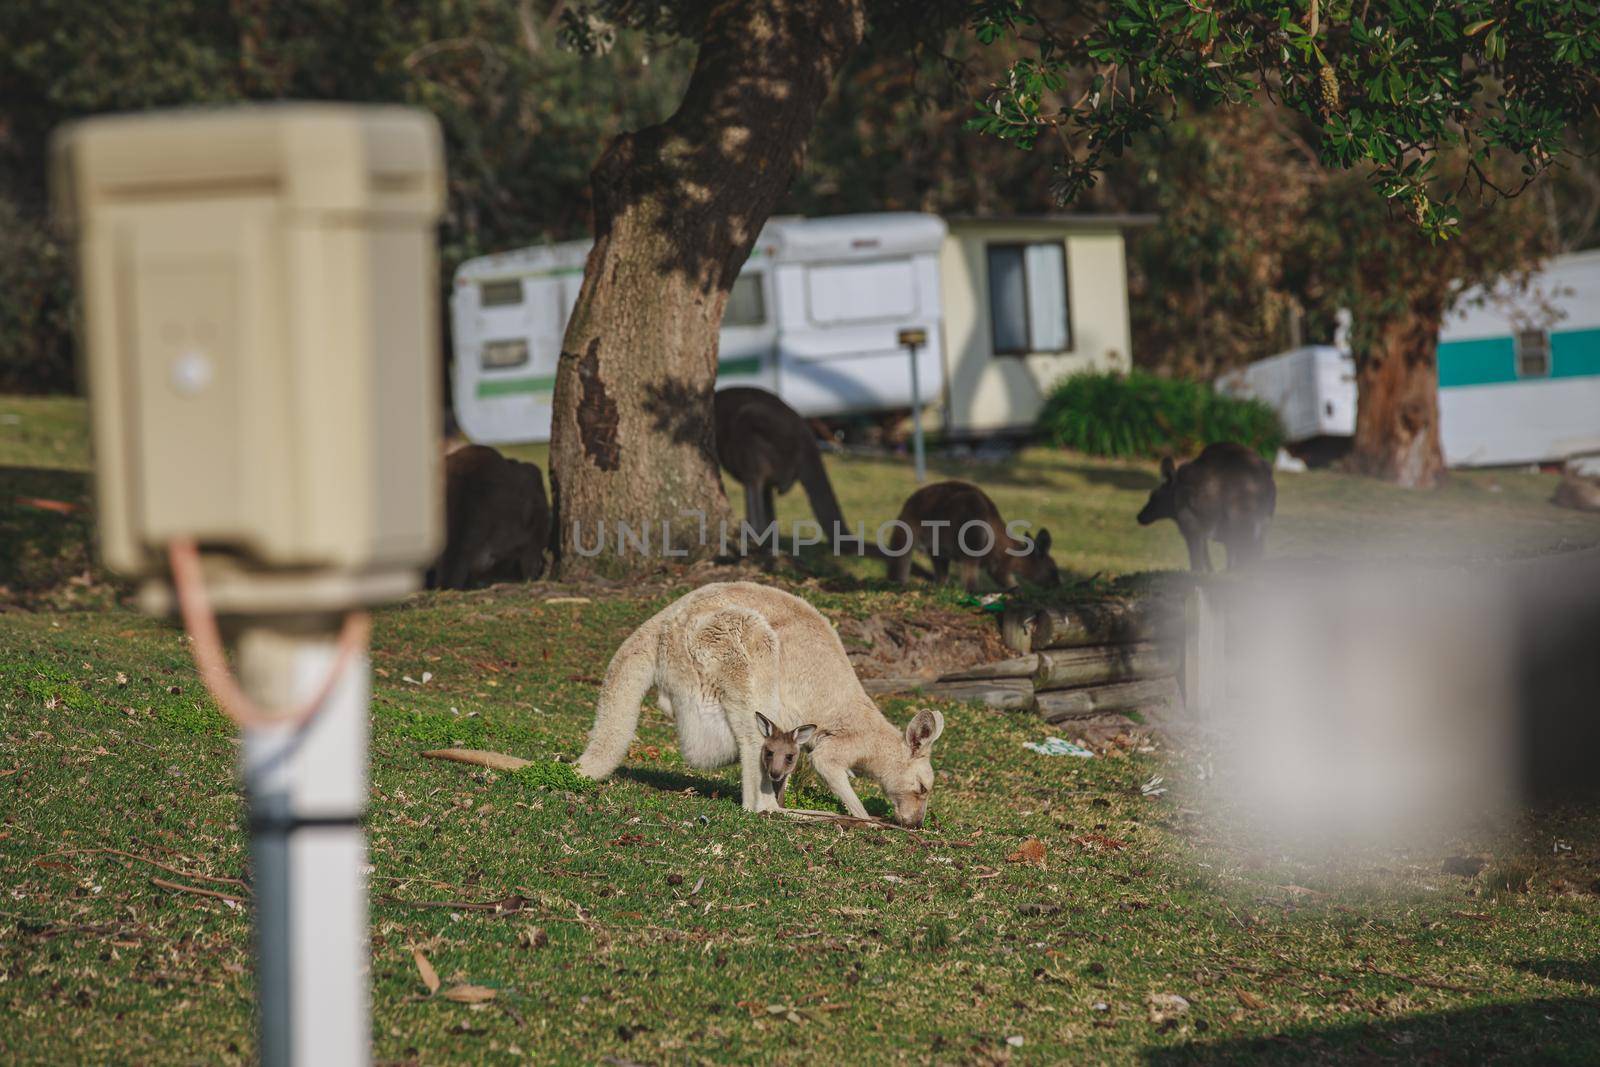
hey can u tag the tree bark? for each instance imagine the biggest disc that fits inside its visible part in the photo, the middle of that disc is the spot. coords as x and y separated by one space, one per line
1397 398
677 208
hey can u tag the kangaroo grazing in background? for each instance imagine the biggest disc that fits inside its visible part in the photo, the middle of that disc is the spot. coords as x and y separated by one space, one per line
497 522
956 521
780 752
725 653
1225 494
767 447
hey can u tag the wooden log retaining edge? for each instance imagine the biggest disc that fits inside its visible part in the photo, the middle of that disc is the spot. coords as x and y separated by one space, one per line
1068 668
1059 705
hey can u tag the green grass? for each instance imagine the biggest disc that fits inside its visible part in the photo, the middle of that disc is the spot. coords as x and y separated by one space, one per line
654 921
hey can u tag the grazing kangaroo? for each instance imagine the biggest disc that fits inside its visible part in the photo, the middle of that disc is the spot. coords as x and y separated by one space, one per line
767 447
725 653
957 521
1225 494
497 522
780 752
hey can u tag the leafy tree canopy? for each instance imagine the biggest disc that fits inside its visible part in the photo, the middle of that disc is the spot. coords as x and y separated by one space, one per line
1430 96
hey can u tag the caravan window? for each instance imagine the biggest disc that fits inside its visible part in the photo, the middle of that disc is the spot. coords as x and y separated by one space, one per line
1533 353
861 292
747 305
500 294
503 355
1028 298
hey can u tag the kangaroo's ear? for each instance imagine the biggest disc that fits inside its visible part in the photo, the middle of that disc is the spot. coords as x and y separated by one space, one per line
803 734
1168 468
923 730
763 724
1041 540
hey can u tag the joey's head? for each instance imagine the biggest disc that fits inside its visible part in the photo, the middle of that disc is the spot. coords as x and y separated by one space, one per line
1037 566
909 781
780 752
1163 502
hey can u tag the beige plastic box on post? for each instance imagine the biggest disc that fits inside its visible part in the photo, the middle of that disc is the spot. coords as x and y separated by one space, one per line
261 332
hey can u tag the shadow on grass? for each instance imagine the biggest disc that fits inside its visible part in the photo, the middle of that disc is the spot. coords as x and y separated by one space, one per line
1546 1031
47 539
677 782
1582 972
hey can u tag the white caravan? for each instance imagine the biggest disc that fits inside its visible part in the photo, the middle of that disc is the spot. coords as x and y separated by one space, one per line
1519 372
1312 388
813 316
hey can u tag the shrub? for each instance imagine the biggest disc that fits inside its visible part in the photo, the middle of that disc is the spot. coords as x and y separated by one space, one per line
1143 415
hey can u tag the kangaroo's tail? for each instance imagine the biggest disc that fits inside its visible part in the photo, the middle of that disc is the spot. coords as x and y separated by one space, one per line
616 716
824 505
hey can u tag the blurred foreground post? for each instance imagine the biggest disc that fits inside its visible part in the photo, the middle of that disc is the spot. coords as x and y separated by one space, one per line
259 289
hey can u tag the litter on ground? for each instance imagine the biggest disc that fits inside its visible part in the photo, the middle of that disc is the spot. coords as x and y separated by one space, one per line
1055 746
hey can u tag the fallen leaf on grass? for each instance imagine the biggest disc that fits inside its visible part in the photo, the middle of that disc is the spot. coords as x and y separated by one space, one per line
1165 1007
470 994
430 977
495 761
1031 851
1249 999
1099 843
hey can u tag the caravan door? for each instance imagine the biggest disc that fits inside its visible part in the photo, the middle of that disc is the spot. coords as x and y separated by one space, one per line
839 335
746 353
508 320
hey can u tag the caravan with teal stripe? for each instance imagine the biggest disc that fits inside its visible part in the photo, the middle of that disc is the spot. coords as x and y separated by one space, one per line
1519 370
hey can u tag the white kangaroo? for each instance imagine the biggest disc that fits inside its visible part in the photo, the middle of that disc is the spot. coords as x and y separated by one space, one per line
719 655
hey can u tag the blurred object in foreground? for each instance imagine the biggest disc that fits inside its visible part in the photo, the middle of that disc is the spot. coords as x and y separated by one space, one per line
1367 705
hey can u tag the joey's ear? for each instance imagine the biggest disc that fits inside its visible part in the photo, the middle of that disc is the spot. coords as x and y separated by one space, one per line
763 724
1168 468
1041 540
803 734
923 730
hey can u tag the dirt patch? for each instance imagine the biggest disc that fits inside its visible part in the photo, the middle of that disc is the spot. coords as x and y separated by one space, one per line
920 647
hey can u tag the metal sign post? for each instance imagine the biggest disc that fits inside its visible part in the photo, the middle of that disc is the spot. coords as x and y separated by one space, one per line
911 340
260 329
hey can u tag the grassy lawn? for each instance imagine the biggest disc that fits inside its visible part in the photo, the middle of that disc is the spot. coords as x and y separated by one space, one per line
652 921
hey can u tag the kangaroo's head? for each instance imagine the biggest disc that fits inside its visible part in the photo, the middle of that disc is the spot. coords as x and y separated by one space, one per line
780 752
1037 566
909 780
1163 502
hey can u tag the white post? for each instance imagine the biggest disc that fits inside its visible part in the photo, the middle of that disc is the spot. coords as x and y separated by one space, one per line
916 416
1204 656
307 791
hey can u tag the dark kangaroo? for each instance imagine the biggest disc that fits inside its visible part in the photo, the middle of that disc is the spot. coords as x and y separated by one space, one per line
497 522
947 521
1225 494
767 447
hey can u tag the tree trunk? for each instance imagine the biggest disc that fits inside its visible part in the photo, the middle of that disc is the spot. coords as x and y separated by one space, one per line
677 208
1397 398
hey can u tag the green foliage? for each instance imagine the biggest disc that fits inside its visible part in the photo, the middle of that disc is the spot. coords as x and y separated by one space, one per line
1387 86
437 729
549 774
1144 415
523 120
